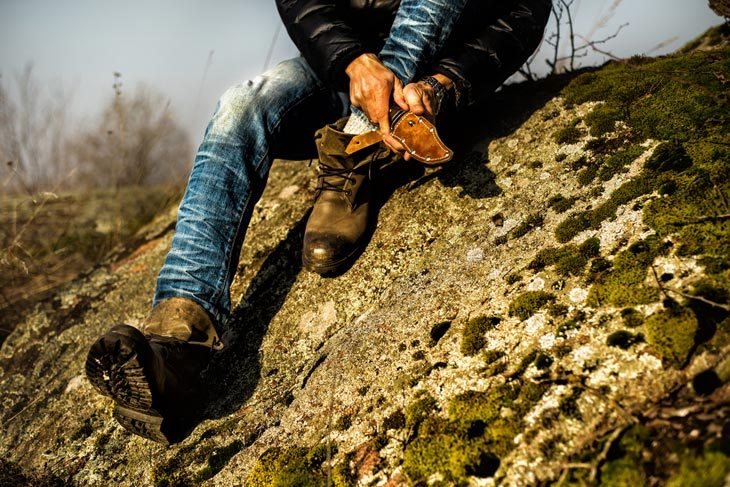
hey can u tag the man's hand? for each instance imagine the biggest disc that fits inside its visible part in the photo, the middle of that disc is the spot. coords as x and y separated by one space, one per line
372 86
421 100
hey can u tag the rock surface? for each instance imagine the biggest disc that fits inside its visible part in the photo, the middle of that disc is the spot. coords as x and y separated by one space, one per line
457 349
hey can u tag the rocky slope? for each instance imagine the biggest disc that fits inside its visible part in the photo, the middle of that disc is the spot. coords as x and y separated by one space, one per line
550 308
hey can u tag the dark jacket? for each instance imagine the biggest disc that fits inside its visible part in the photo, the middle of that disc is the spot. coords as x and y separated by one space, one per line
491 40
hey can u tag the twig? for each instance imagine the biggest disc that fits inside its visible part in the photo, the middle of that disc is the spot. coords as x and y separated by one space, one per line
702 219
601 458
665 290
38 398
567 6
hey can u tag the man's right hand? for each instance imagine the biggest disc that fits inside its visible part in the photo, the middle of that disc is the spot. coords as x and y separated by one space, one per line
372 86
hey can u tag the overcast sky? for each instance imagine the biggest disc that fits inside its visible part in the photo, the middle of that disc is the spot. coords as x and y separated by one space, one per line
78 44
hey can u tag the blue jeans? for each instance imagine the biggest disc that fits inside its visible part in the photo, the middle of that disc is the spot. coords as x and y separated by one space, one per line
254 123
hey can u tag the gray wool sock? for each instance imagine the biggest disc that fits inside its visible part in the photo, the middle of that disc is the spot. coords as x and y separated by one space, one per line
358 123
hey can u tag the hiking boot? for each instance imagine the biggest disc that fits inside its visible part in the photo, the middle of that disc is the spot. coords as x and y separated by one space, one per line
336 229
154 375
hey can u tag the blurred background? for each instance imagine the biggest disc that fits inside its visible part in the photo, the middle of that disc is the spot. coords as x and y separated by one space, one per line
102 104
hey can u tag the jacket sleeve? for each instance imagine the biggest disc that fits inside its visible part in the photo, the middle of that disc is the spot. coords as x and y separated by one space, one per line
483 58
321 33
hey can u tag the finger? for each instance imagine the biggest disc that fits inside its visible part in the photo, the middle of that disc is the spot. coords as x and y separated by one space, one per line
428 107
384 123
414 98
394 144
398 97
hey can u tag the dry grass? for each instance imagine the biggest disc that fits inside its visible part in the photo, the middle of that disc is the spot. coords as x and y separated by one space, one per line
48 239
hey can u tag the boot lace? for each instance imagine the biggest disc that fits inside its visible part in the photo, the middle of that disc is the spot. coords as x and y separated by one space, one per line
334 178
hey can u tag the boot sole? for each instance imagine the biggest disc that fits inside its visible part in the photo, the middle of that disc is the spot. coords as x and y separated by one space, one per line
118 367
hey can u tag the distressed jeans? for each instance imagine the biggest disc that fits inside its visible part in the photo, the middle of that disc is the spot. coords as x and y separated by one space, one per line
256 122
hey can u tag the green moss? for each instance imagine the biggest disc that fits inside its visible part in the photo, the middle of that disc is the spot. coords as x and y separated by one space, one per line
530 223
527 304
568 135
624 339
623 284
526 361
513 279
671 333
661 98
623 472
491 356
474 437
669 156
618 162
588 174
395 421
669 98
707 470
625 193
557 310
473 340
602 119
277 468
631 317
560 203
569 259
572 226
342 474
343 423
418 410
687 213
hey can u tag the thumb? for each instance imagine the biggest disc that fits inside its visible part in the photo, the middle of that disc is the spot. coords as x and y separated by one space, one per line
398 97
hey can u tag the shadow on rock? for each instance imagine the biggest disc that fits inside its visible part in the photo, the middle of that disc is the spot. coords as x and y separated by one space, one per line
237 369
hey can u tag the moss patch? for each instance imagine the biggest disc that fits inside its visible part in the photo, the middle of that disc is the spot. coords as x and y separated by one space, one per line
295 466
569 259
568 135
631 317
623 284
671 333
560 203
707 470
474 437
602 119
527 304
418 410
530 223
661 98
473 339
672 99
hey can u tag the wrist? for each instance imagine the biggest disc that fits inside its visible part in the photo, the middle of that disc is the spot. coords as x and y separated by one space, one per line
359 62
440 87
444 81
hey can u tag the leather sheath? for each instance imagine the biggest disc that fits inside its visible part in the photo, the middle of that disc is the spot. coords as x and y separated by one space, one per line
416 133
